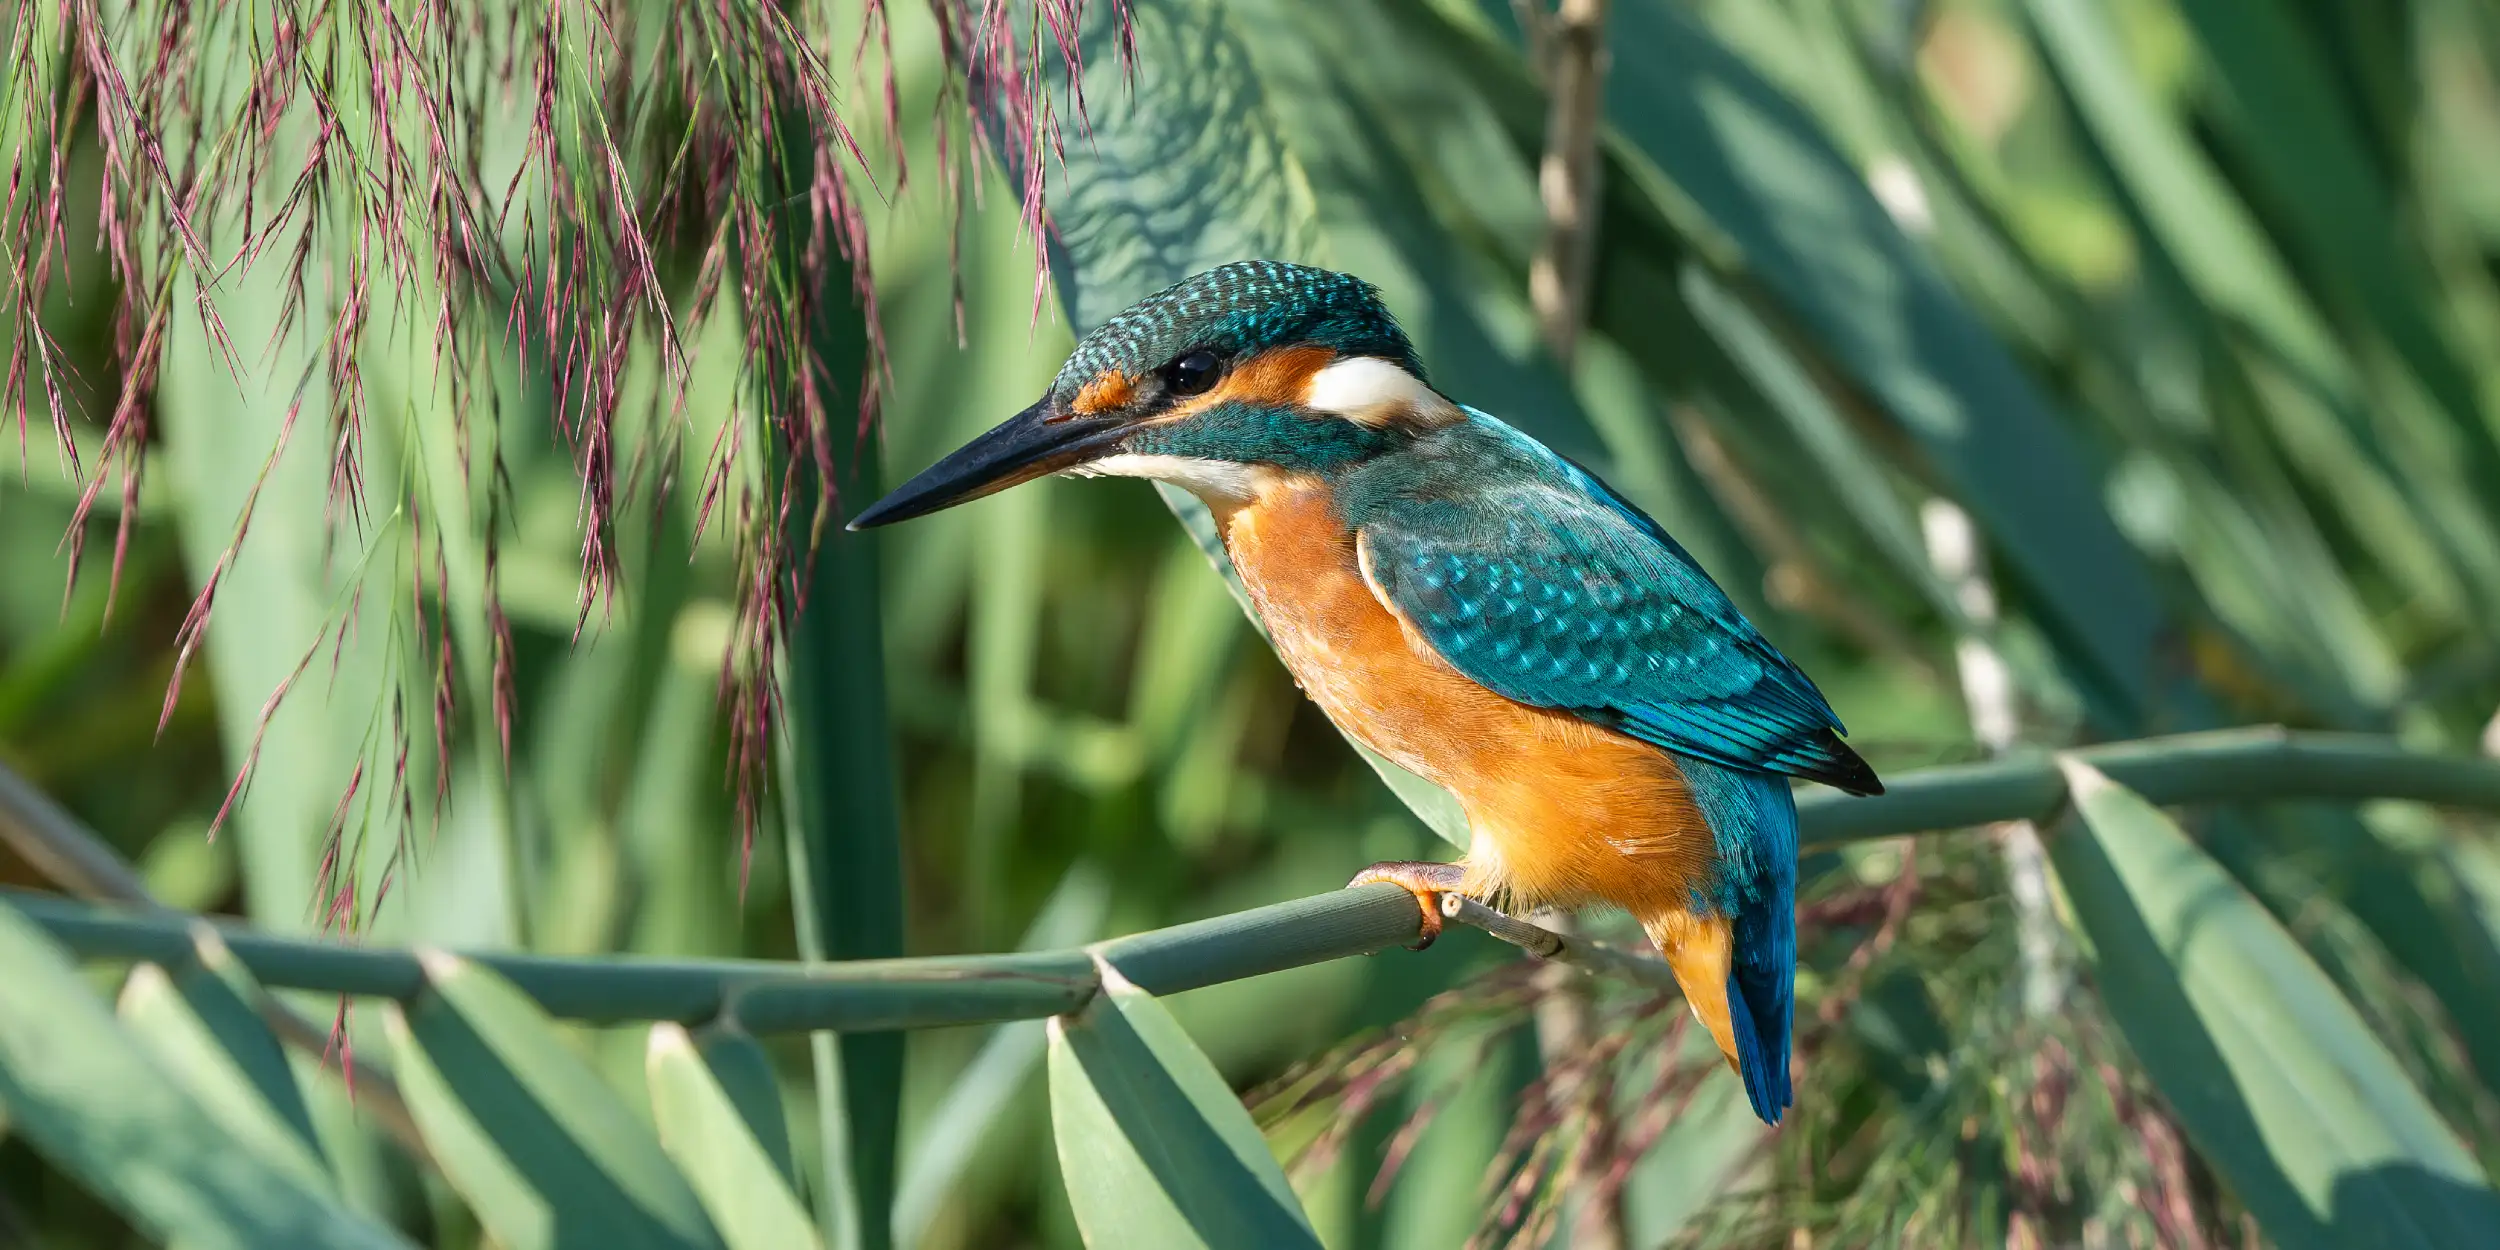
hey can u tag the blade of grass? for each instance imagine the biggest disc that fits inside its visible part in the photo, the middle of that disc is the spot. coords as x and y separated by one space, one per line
276 599
1153 1146
2237 271
840 819
718 1107
2312 159
2200 225
674 839
2406 876
541 1149
75 857
2274 1076
77 1087
453 456
204 1024
1846 459
1712 1140
1472 1098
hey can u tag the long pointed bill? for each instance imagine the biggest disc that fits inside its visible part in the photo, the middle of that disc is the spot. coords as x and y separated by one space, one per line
1023 447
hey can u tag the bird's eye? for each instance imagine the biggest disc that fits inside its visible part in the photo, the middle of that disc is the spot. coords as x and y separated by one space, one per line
1193 374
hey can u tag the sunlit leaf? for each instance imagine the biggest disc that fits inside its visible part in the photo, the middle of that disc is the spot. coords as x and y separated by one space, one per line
203 1021
2273 1074
1154 1147
718 1107
531 1138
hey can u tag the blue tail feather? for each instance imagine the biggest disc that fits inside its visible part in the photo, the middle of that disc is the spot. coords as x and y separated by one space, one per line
1753 820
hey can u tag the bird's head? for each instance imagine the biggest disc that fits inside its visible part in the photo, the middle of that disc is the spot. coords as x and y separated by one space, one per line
1243 374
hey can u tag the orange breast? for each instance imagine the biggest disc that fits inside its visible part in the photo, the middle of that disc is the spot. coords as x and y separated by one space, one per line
1564 812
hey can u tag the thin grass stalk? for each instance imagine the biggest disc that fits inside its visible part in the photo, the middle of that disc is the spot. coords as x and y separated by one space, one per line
1574 36
1988 691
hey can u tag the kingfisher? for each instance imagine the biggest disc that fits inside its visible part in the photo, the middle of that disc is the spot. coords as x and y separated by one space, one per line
1472 605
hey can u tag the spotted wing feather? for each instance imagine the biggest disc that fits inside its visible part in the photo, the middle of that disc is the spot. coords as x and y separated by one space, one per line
1560 595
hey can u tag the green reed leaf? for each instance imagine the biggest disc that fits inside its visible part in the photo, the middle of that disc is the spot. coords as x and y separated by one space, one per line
718 1106
1154 1147
100 1106
203 1021
525 1131
2275 1077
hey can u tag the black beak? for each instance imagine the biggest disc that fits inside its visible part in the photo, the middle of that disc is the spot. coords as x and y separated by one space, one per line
1028 445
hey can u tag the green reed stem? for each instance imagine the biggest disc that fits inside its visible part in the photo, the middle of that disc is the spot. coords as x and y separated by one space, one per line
877 995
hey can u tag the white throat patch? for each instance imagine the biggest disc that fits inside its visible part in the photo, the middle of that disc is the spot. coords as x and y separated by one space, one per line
1373 392
1215 481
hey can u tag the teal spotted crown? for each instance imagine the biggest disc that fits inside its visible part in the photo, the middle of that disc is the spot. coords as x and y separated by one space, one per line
1238 310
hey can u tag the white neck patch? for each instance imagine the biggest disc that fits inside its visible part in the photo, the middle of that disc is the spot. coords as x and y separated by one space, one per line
1373 392
1215 481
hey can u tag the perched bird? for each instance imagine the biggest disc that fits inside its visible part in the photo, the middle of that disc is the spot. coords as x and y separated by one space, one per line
1473 606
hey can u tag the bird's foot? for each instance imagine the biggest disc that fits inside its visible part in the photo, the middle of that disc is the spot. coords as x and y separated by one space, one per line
1424 879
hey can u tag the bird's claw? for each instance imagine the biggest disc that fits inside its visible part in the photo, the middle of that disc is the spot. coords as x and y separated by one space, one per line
1426 880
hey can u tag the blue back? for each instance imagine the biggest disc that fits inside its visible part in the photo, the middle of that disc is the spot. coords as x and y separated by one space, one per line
1529 575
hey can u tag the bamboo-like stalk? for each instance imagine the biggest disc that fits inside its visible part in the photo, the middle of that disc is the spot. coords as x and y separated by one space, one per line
860 996
2228 766
2260 764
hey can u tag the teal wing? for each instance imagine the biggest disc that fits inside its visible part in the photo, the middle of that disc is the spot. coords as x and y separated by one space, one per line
1558 594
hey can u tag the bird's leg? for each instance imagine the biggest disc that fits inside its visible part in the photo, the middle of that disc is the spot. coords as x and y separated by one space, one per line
1425 879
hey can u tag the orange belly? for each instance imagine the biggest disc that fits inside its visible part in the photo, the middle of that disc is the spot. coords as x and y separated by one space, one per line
1563 812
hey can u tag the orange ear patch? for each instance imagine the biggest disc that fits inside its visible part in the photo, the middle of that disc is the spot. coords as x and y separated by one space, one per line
1273 379
1110 389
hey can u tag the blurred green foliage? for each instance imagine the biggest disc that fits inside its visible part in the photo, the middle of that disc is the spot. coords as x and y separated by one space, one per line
2192 307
